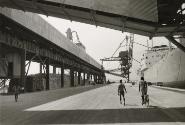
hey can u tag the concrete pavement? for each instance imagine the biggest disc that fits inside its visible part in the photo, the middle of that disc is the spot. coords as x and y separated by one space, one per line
102 106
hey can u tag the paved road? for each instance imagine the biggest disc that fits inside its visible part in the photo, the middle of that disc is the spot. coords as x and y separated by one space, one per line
102 106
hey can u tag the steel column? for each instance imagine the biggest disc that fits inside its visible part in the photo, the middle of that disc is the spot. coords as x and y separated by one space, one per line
98 79
40 68
84 78
23 59
62 76
91 77
54 69
79 76
95 78
72 77
47 74
88 78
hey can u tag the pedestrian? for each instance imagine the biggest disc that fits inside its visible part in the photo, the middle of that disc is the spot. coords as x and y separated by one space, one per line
143 87
16 91
121 91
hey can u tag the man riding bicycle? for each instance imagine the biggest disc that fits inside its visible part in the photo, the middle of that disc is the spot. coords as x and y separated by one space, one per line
143 88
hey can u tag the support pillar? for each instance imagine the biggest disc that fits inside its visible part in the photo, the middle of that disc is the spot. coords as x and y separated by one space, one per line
104 78
47 74
180 46
84 78
75 73
79 76
54 69
0 46
23 65
72 77
62 76
128 76
88 78
95 79
40 68
91 77
98 79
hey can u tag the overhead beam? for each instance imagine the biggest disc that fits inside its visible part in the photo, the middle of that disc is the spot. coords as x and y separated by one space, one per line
65 12
124 20
155 31
112 20
17 5
176 29
2 3
172 39
34 3
92 13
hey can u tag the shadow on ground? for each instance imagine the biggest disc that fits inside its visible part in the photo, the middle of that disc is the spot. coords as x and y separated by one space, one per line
132 115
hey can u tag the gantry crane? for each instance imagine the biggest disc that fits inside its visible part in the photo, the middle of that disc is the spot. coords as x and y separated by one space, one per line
125 58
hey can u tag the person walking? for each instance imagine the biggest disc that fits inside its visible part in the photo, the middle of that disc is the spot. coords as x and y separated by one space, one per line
143 87
121 91
16 92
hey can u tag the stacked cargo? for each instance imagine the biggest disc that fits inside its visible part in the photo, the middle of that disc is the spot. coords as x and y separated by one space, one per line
35 83
55 81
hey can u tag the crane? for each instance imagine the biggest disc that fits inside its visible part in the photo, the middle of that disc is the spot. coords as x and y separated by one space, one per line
125 58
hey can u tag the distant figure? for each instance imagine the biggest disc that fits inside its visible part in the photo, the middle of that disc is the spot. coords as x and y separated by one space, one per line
121 91
143 87
108 82
16 91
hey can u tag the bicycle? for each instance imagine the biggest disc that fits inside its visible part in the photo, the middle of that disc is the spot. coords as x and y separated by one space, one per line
146 100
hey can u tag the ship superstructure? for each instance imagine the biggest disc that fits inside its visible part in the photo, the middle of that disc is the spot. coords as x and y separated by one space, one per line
154 55
164 65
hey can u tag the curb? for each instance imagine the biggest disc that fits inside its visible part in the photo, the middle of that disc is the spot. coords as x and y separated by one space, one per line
170 89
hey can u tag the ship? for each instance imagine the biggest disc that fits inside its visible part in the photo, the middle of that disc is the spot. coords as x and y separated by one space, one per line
164 66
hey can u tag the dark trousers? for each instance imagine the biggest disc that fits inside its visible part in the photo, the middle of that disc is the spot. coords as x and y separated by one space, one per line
144 93
16 97
123 95
142 99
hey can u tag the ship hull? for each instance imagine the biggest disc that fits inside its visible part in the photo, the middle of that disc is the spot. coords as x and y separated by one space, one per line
170 71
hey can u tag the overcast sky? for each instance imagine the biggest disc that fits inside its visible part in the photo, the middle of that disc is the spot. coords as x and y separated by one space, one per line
102 42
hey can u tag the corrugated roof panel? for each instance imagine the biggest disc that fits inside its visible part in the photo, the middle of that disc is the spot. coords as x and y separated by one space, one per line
136 16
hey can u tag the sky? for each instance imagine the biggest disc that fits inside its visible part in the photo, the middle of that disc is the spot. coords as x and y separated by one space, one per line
102 42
